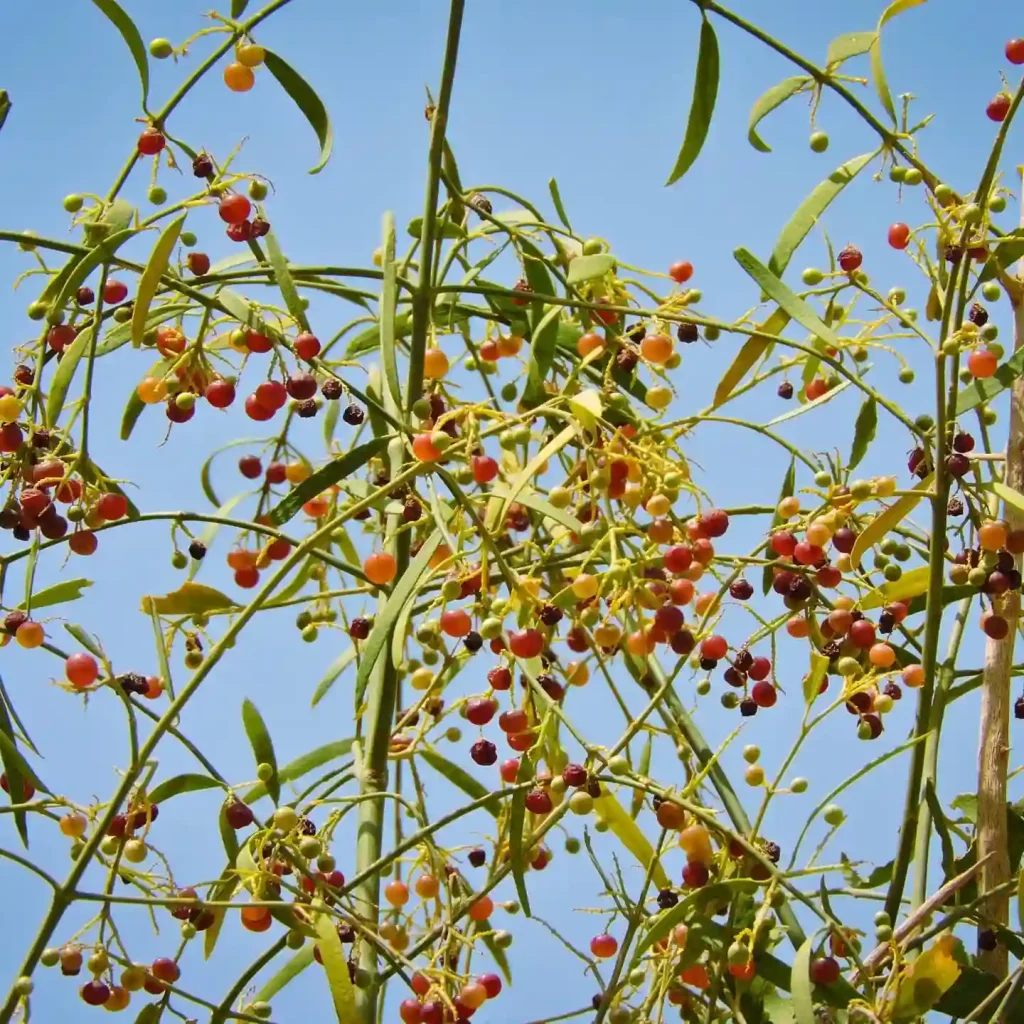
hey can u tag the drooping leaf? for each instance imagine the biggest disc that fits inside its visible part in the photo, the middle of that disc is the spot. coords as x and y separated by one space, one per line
788 486
388 302
156 267
806 407
863 432
911 584
187 783
586 268
529 471
626 830
556 199
16 773
808 212
336 968
150 1013
751 351
982 390
262 746
705 92
643 769
877 68
63 376
516 826
769 101
287 974
188 599
11 755
800 985
543 342
325 477
285 281
131 36
59 593
461 778
533 500
404 591
888 520
307 101
88 642
301 766
850 44
332 674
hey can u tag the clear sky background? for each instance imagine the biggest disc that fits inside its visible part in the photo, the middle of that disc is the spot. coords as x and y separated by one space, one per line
595 94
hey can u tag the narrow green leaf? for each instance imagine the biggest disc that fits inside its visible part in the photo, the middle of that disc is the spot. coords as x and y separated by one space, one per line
826 905
189 599
769 101
692 903
983 390
156 267
187 783
626 830
556 199
101 253
461 778
499 508
388 302
803 1001
1020 900
336 968
222 890
11 755
877 68
1008 494
850 44
443 228
262 747
543 343
332 675
531 499
59 593
285 281
287 974
63 376
941 828
808 212
150 1013
863 432
586 268
888 520
88 642
1003 255
307 101
131 36
15 774
404 591
238 8
642 769
750 352
302 765
5 106
485 931
325 477
813 679
135 405
705 92
516 825
806 407
788 486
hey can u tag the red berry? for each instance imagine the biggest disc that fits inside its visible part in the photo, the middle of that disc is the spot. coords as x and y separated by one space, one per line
94 992
862 634
783 543
825 970
500 678
238 815
678 559
695 874
1015 51
256 411
410 1011
239 232
307 346
165 969
715 522
81 670
277 473
234 209
151 141
681 272
272 394
480 710
61 336
850 259
112 507
177 414
299 386
714 647
198 263
759 669
484 752
220 393
509 770
256 342
526 643
998 107
899 235
492 983
485 469
114 292
538 801
28 790
83 542
250 467
764 694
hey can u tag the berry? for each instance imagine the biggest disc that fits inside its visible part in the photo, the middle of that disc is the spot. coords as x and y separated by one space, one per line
1015 51
307 347
234 209
483 753
681 272
899 235
114 292
220 393
785 390
151 141
198 263
825 970
353 415
850 259
238 815
998 107
202 166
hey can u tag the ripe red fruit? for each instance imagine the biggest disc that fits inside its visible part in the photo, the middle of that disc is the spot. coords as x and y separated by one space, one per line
862 634
272 394
307 346
250 466
60 336
484 752
899 235
165 969
1015 51
669 619
234 209
759 669
277 473
485 469
678 558
112 507
151 141
714 647
300 386
94 992
81 670
783 543
410 1011
850 259
83 542
764 694
28 790
526 643
509 770
220 393
500 678
604 946
681 272
513 721
824 970
807 554
238 815
198 263
538 801
255 410
695 874
177 414
998 107
480 710
492 983
715 522
995 626
114 292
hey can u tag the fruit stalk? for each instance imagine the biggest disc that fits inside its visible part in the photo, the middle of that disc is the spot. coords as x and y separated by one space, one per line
994 739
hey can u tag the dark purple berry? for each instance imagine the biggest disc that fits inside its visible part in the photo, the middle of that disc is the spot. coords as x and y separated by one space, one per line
785 390
978 315
687 333
484 752
359 628
202 166
331 389
957 464
963 443
748 707
197 549
742 590
477 857
353 415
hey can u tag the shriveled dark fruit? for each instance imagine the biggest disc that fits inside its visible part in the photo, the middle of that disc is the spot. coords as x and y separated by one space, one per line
353 415
687 333
307 409
957 464
479 202
359 628
197 550
955 507
627 359
741 590
477 857
748 707
637 333
202 166
484 752
785 390
1018 708
472 641
331 389
551 615
978 315
987 940
667 899
259 227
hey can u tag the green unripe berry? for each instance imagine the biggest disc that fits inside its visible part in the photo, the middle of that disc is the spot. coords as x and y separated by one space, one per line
157 195
295 940
600 825
24 986
592 246
997 203
37 310
989 332
490 628
834 815
98 962
897 296
694 295
819 142
264 771
799 785
883 933
453 734
864 731
188 930
179 560
913 176
257 190
910 315
812 276
971 213
997 350
882 920
286 818
848 666
754 775
751 753
451 589
309 847
503 939
506 440
991 292
888 546
188 239
879 560
859 353
50 957
836 313
310 633
73 203
712 333
261 1009
861 490
943 193
160 49
303 619
509 392
730 700
924 422
674 361
421 408
738 954
572 844
906 375
581 802
441 440
823 478
989 416
897 172
123 314
619 765
703 687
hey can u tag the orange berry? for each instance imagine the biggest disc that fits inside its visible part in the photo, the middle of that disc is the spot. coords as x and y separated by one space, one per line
256 919
982 363
657 348
380 568
435 363
424 449
29 634
992 536
640 643
74 825
241 559
427 887
669 815
396 893
913 676
239 78
509 345
696 844
316 507
660 531
482 909
695 975
882 656
588 343
798 627
607 635
840 619
152 390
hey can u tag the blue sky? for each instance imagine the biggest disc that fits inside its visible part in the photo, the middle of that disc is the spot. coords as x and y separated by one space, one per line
595 94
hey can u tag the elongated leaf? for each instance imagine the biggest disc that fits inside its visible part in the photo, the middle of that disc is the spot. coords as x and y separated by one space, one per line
863 432
332 675
984 389
877 68
461 778
64 374
750 352
808 212
803 1001
210 531
769 101
1003 254
531 469
325 477
1008 494
302 765
626 830
285 281
586 268
16 776
516 826
543 342
485 931
888 520
556 199
156 267
11 755
788 486
188 599
336 968
806 407
59 593
187 783
814 678
910 585
308 102
642 769
88 642
443 228
532 500
850 44
705 92
238 8
102 253
5 107
150 1013
262 746
131 36
286 975
388 302
404 591
1020 900
119 336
